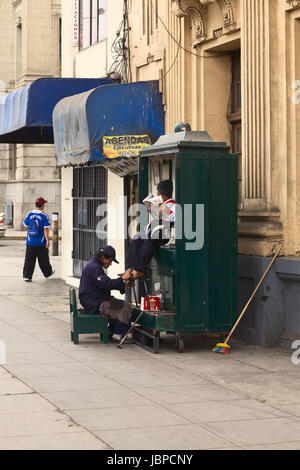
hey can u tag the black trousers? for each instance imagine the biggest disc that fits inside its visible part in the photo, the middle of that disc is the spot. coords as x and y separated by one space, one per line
141 250
42 254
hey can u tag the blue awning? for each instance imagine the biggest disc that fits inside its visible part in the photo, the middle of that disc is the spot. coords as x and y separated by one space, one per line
26 113
81 122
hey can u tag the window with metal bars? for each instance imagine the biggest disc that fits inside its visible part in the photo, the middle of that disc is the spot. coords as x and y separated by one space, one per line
89 192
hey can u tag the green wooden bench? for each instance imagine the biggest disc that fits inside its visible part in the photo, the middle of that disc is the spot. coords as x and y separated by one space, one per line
82 323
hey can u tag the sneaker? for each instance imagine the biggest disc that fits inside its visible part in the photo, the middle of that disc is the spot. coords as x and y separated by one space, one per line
53 272
27 279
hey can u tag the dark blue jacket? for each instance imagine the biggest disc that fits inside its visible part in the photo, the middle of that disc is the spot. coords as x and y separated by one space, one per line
95 286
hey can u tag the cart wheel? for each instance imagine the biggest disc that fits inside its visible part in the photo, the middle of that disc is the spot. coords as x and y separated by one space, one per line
179 344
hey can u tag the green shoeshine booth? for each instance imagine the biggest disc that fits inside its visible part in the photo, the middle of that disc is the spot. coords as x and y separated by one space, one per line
195 274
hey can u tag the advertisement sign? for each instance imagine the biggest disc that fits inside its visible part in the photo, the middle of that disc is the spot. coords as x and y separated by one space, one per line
124 146
122 152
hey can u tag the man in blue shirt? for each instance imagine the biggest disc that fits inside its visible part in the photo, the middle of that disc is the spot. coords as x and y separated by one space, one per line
37 224
95 292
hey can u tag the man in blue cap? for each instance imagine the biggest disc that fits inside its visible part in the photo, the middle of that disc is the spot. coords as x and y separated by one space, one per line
95 292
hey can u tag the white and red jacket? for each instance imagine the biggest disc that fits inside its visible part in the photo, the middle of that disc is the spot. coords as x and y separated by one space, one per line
169 208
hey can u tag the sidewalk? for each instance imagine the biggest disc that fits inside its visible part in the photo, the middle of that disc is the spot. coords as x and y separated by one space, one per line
57 395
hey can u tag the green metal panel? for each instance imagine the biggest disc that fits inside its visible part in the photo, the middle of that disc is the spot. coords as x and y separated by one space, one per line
192 266
223 242
155 322
203 279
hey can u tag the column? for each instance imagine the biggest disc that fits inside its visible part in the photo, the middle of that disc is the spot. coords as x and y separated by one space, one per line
260 225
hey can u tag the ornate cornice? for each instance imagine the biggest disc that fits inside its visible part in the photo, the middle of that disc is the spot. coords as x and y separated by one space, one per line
293 3
228 9
198 13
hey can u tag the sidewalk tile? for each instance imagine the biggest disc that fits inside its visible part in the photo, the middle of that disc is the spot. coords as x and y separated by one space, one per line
136 365
10 386
97 352
72 383
12 404
187 393
96 399
217 411
51 370
71 441
259 431
179 437
26 424
154 379
279 446
125 418
27 347
37 358
291 408
221 369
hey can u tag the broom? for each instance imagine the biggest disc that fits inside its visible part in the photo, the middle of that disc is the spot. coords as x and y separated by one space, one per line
224 348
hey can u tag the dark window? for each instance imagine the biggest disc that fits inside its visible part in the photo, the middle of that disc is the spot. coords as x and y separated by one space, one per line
89 193
235 115
92 22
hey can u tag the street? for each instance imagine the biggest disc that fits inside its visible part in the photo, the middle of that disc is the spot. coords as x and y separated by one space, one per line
56 395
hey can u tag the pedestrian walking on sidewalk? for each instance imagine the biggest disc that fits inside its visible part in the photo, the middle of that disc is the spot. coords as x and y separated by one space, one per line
37 224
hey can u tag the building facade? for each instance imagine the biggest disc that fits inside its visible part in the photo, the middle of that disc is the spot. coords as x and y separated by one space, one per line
30 48
90 32
231 68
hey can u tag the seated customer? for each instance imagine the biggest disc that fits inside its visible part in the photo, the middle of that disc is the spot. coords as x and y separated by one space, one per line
95 292
142 248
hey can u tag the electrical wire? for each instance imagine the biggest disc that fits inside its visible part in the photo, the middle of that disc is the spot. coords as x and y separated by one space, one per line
174 39
120 66
176 57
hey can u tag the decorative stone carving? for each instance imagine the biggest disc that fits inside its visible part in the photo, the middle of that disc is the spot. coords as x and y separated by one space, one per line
197 12
228 8
217 33
294 3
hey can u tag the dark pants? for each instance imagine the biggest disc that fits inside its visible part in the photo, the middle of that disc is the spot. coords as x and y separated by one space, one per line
118 328
118 313
141 250
42 254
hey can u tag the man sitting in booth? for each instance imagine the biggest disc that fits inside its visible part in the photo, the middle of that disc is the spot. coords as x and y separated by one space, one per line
144 246
95 292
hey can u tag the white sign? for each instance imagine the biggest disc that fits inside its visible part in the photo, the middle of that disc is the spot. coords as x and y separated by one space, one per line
75 23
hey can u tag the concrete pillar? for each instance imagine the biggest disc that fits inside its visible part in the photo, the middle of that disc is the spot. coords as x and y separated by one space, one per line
260 219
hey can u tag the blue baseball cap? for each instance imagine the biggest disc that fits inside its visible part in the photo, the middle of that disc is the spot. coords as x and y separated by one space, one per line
109 252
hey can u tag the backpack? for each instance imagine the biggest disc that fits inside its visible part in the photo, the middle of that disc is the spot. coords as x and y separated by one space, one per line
34 229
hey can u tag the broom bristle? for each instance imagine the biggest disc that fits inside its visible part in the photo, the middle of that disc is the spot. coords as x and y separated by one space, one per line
222 349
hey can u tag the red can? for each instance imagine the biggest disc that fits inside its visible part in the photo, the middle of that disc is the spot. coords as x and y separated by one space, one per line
154 303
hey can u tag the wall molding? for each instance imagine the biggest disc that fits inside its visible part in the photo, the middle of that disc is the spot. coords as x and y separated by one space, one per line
198 14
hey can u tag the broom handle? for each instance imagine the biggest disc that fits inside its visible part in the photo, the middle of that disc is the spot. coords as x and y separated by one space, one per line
251 298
